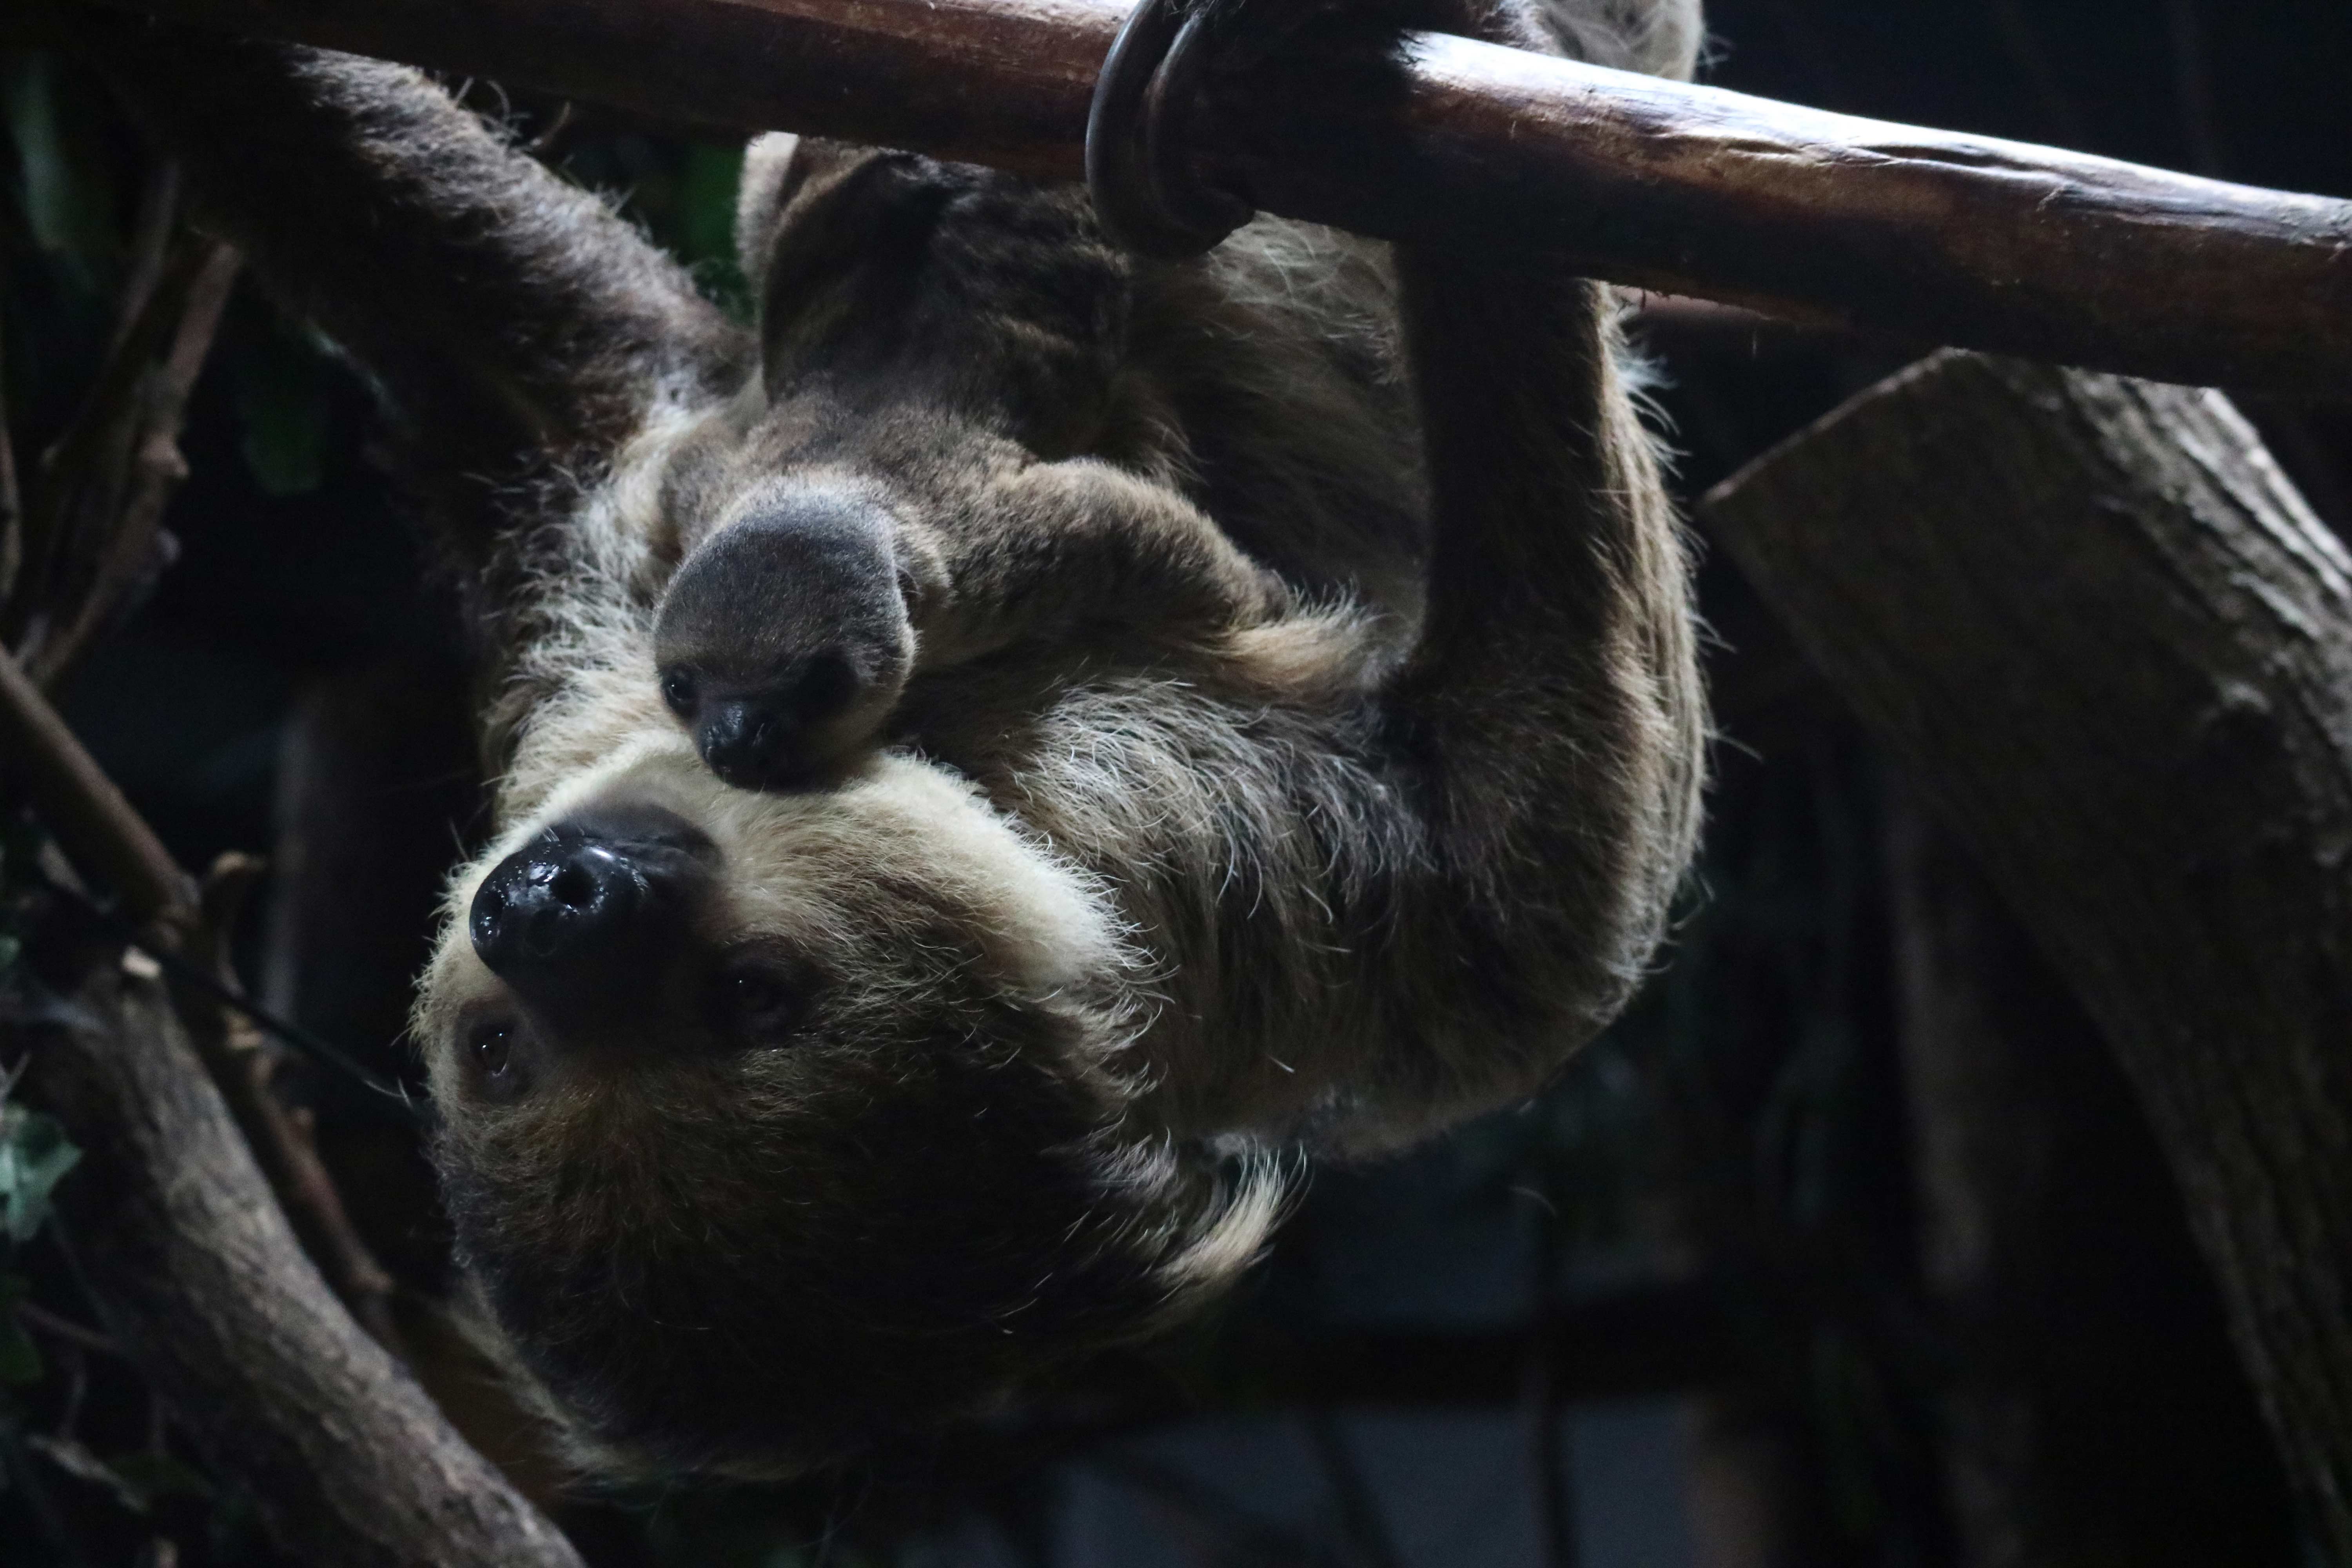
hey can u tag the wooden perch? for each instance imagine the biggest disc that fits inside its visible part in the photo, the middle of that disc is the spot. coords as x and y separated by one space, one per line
1920 235
2114 648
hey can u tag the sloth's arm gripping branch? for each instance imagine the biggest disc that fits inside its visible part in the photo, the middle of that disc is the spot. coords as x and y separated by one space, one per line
508 314
1553 717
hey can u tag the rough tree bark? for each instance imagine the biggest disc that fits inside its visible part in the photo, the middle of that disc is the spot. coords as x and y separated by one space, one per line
199 1279
2114 648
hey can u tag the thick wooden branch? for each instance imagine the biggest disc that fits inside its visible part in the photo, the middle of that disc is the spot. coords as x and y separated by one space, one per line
2115 648
1921 234
202 1283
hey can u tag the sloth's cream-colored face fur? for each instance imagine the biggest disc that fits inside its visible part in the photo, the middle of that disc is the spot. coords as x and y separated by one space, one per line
828 1149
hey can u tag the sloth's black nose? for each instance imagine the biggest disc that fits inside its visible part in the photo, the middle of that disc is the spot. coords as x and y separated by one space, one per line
585 911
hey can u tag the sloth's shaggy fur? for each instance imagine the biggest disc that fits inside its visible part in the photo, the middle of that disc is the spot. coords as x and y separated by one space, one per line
1300 743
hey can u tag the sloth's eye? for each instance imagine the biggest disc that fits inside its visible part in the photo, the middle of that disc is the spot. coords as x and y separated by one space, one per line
490 1047
757 1002
678 690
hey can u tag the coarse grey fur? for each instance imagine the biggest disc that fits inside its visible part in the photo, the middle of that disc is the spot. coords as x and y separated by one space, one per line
1271 718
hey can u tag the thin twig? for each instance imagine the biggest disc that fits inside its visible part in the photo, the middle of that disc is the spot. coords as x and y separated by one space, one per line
125 560
66 1328
150 243
84 474
181 972
90 819
73 1356
246 1067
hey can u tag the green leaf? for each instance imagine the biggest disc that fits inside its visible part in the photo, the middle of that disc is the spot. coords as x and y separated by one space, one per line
35 1153
706 202
704 224
67 186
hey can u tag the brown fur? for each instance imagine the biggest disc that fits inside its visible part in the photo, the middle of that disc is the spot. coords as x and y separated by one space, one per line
1297 739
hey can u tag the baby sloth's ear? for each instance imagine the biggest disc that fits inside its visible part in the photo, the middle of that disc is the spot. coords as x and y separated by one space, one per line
894 279
837 243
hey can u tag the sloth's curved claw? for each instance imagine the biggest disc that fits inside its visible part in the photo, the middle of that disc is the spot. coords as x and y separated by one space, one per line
1147 193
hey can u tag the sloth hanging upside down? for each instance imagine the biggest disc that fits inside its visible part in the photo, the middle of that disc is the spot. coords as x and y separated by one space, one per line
987 759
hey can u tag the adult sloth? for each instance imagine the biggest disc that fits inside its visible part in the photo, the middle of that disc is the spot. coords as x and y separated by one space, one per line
990 756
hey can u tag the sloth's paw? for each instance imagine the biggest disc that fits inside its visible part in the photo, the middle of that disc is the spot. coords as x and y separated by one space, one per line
785 640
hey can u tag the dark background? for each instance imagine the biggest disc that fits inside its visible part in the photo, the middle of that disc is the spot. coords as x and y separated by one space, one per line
1765 1280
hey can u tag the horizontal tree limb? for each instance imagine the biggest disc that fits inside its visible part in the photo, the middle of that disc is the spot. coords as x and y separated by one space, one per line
1928 236
2114 648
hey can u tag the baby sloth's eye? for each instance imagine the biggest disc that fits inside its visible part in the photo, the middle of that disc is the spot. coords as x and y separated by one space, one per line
678 690
756 1002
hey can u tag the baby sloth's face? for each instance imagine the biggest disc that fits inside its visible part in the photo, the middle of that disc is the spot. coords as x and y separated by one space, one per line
774 1123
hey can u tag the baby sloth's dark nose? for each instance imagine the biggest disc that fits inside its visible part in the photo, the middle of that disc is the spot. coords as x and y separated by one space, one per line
586 911
759 739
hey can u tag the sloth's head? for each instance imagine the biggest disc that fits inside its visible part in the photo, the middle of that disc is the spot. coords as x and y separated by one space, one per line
773 1124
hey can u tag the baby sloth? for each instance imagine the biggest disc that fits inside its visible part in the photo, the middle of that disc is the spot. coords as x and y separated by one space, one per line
989 757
